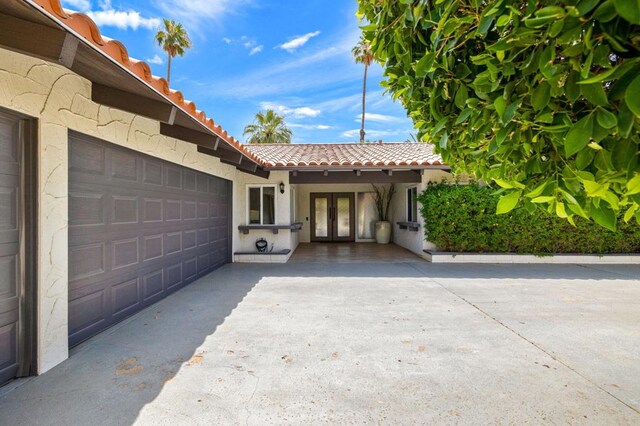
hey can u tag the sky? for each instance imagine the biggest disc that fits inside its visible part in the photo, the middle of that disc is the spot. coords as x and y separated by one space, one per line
292 56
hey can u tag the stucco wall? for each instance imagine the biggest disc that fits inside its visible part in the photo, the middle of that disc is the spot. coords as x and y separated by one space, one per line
281 240
61 100
415 241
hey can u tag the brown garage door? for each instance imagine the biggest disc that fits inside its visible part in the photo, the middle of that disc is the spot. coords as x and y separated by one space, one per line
139 229
15 247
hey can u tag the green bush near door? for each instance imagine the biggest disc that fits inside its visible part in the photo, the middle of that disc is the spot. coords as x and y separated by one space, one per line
462 218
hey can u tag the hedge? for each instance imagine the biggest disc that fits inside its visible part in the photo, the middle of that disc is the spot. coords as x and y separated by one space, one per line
461 218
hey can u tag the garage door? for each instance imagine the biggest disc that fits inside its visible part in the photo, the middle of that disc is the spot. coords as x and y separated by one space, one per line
139 229
15 256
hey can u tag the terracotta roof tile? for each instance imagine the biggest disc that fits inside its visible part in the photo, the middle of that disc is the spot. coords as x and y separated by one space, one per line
346 154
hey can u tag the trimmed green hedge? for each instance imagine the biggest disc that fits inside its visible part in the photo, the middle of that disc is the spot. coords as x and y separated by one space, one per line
461 218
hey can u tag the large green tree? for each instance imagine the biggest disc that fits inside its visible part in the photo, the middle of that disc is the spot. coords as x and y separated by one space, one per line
541 97
268 127
174 40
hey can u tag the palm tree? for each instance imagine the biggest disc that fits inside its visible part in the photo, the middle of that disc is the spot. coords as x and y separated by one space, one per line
268 127
174 40
363 54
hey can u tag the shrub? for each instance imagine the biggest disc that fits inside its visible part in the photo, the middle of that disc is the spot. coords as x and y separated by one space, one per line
462 218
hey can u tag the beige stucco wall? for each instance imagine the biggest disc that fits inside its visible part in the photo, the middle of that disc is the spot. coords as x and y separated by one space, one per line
415 241
284 238
61 100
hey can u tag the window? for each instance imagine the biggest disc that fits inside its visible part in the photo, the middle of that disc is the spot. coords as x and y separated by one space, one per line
262 205
412 204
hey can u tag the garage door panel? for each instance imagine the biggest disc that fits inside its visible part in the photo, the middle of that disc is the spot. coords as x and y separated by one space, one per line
87 312
86 157
9 353
124 166
174 275
161 228
153 285
125 296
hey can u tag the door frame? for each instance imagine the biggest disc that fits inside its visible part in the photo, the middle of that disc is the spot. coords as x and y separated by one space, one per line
332 230
28 237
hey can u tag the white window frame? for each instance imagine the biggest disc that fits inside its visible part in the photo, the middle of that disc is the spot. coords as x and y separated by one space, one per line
406 203
275 203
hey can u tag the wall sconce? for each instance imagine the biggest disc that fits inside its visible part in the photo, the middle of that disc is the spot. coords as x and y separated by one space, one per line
281 187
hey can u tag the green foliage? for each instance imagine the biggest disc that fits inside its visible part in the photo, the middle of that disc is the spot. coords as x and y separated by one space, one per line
461 218
268 127
543 95
174 40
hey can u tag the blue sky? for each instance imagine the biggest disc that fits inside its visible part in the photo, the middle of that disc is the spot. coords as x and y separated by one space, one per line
289 55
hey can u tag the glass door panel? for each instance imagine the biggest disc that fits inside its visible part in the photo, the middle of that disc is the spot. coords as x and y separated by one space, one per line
343 216
321 228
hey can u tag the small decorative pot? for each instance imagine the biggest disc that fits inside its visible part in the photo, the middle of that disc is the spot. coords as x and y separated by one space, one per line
383 232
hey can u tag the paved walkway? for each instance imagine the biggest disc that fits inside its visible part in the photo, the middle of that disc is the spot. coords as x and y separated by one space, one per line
395 343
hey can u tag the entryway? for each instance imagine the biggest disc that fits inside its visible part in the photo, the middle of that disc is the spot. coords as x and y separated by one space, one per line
332 217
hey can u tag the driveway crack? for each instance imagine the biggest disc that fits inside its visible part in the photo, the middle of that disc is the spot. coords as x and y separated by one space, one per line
540 348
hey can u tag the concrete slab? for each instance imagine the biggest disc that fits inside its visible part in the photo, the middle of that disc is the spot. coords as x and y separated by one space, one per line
400 343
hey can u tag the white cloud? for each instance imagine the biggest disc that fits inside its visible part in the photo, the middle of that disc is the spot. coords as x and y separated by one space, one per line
106 15
379 118
123 20
298 42
156 60
227 40
79 5
255 50
310 126
300 112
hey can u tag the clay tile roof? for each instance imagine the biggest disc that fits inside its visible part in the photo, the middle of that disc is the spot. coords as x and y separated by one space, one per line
346 154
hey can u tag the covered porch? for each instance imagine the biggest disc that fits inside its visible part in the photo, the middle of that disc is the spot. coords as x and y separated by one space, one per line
325 193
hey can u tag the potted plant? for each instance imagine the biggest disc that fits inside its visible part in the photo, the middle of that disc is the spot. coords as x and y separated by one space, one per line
382 198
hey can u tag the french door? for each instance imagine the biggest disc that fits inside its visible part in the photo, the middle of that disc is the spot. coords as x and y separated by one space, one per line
332 217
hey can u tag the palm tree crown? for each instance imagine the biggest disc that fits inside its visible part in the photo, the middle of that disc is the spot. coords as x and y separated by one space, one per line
174 40
268 127
363 54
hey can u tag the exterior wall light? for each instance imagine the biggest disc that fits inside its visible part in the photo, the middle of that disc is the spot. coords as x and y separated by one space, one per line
281 187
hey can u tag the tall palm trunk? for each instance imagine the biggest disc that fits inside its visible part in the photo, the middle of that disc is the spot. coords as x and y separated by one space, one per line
169 68
364 96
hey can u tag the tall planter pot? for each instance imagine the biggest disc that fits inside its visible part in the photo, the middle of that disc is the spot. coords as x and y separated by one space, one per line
383 232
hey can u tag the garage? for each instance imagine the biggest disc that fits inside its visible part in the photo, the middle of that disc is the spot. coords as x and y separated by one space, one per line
140 228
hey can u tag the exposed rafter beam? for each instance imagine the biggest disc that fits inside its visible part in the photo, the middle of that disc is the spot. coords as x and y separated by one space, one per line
31 38
388 172
226 156
358 172
69 50
244 166
133 103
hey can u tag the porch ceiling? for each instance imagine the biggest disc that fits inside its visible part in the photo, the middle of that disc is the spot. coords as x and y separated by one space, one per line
355 176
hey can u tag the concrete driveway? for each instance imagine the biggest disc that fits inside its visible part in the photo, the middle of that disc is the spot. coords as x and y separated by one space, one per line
402 343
